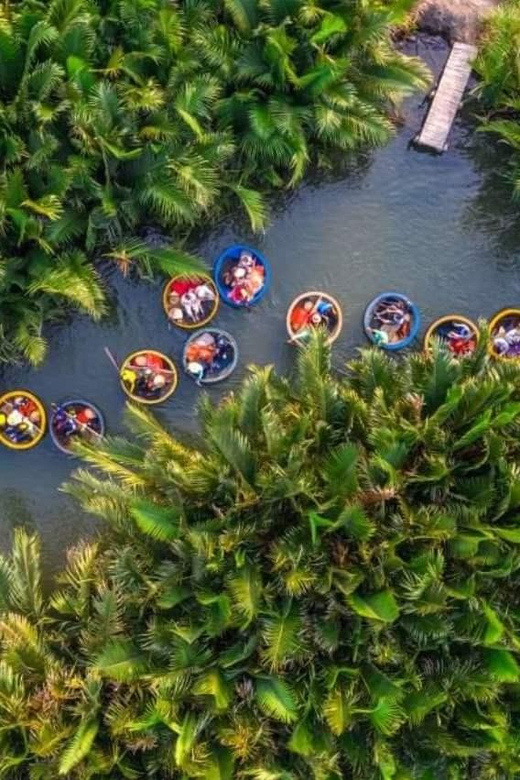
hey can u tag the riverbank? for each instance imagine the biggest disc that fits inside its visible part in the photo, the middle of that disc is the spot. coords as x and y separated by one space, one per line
455 20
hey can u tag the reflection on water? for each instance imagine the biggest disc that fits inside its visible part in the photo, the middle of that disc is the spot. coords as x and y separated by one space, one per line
440 229
493 212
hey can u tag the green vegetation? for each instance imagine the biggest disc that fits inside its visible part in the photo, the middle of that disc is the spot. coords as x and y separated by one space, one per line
117 114
327 589
499 86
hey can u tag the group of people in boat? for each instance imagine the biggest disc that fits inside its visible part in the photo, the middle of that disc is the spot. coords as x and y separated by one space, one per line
391 321
506 337
459 338
190 302
243 278
76 420
210 355
311 311
147 375
20 419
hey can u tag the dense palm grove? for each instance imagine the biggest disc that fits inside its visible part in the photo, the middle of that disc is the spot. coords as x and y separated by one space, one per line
327 589
499 85
116 115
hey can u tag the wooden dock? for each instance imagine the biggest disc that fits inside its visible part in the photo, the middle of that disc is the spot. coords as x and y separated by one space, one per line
447 99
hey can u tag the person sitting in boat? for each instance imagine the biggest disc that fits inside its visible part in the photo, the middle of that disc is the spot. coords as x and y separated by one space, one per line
129 377
393 319
87 416
245 279
390 313
327 313
65 423
156 386
192 306
460 339
507 342
246 260
315 320
300 315
204 293
380 337
196 371
19 427
224 354
202 350
143 382
175 311
255 280
513 336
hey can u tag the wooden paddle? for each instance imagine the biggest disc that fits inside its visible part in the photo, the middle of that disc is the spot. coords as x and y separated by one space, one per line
116 366
112 359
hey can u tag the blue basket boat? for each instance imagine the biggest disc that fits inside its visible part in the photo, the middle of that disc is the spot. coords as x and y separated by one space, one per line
76 420
242 275
210 356
392 321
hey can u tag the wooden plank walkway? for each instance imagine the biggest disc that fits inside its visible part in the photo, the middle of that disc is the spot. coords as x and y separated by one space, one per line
448 97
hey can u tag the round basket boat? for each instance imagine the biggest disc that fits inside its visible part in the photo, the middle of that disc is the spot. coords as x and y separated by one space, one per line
391 321
210 356
242 276
504 335
76 420
314 309
190 302
138 375
23 420
459 335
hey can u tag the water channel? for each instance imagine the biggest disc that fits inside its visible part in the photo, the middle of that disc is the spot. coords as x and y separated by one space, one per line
442 229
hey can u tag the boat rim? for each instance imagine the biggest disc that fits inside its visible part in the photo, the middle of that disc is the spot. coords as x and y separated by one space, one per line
147 401
319 294
65 404
231 366
42 428
415 326
194 325
217 265
444 320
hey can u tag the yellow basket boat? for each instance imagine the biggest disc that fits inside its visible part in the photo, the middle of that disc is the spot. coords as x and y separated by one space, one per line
23 420
139 374
310 310
457 333
190 302
504 335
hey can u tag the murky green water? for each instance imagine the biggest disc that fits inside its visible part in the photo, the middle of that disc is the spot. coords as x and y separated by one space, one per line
441 229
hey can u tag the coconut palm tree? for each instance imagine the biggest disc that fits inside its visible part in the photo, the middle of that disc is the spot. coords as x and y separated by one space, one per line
326 587
499 86
115 114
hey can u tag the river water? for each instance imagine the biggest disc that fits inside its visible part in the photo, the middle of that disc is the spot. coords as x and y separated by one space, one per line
441 229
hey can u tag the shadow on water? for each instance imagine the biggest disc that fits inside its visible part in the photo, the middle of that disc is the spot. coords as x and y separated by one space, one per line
493 212
439 228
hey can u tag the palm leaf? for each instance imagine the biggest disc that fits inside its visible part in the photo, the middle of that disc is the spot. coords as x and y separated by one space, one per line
276 699
159 522
119 660
282 640
253 204
26 588
246 590
378 606
79 746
